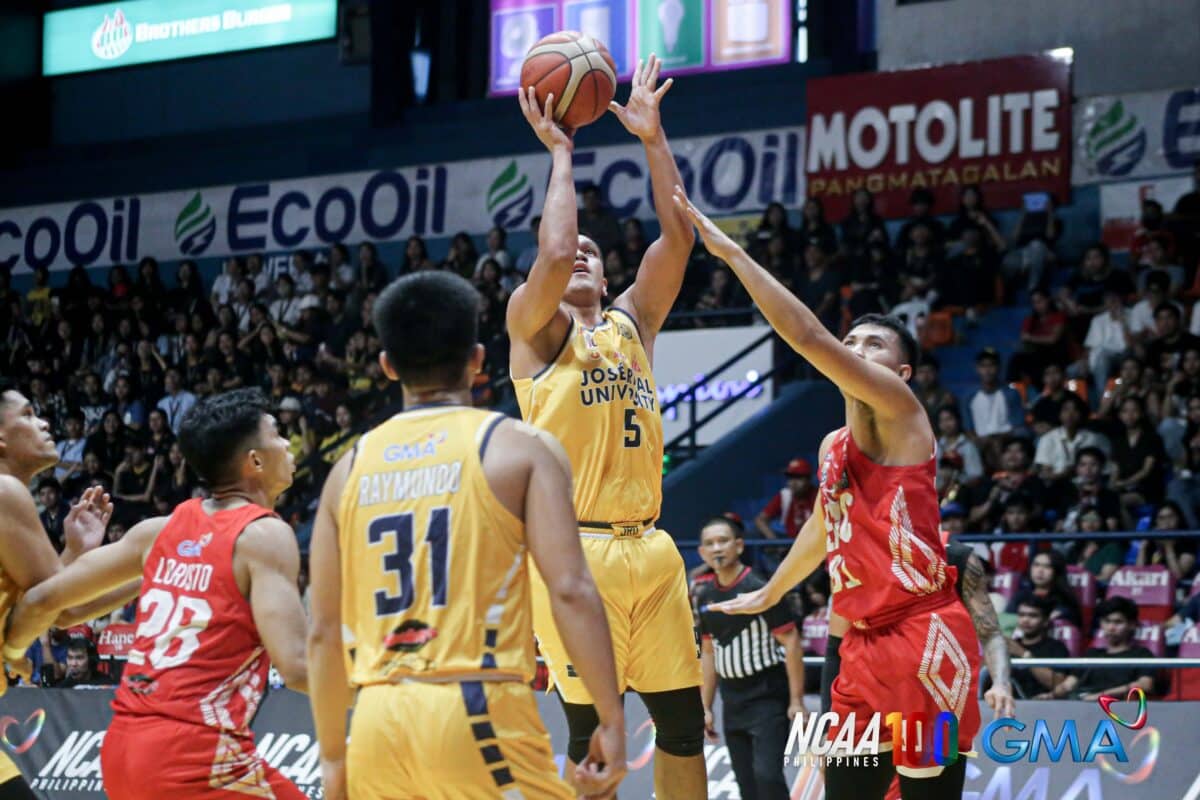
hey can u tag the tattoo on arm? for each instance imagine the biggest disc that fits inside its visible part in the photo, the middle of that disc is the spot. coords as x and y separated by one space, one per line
987 624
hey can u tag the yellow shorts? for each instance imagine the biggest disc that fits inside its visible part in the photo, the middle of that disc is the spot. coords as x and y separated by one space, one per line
475 740
644 587
8 769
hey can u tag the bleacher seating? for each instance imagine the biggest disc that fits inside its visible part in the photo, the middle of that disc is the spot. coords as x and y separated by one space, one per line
814 632
1151 587
1084 584
1069 635
1185 683
1148 634
1005 583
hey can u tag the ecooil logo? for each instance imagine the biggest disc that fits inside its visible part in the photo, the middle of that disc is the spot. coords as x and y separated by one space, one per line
195 227
113 37
1115 141
510 197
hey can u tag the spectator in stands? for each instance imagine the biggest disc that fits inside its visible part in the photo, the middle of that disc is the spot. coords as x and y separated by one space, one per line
952 440
82 666
954 518
814 226
1118 623
1083 296
1184 223
921 205
597 222
1088 491
176 401
951 476
372 274
921 263
188 295
1046 410
527 256
1131 381
37 298
973 216
1156 258
928 387
1138 457
968 279
1109 338
70 447
721 294
134 483
1057 449
820 287
1034 237
223 287
873 282
994 411
1177 555
54 510
1046 579
158 434
1164 349
1044 339
1184 488
1018 517
1155 292
1032 639
130 409
497 243
1101 558
1153 225
774 223
109 442
94 403
1014 479
286 307
861 225
633 244
792 505
92 474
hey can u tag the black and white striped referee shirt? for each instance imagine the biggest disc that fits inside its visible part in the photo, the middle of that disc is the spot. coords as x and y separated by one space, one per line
743 645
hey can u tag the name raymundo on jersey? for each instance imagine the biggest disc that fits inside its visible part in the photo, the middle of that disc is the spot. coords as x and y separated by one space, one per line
605 384
409 484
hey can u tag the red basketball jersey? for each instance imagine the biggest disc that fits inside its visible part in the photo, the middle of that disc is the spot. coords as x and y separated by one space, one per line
883 548
196 655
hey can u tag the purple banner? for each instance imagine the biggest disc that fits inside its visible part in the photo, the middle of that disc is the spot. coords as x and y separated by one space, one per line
688 35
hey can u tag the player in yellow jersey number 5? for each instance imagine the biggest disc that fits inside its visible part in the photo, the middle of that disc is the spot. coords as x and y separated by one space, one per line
420 584
584 373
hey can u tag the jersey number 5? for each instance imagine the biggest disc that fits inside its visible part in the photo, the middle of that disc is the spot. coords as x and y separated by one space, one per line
399 561
633 431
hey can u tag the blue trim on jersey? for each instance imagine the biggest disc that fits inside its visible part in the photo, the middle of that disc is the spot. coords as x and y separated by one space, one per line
445 403
489 638
636 327
491 754
487 434
502 777
482 730
558 353
475 699
489 661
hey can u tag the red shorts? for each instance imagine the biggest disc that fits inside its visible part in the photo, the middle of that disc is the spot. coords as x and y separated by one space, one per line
151 758
925 663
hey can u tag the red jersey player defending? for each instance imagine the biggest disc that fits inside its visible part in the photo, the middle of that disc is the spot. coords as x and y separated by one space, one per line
219 604
911 646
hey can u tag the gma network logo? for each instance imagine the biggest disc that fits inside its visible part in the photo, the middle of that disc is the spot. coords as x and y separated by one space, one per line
1104 739
19 736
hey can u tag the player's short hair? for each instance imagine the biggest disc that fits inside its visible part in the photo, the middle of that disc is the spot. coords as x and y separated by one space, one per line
428 323
6 385
219 429
729 521
908 343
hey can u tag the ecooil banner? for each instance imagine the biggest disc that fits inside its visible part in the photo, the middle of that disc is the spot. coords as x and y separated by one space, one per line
1140 135
725 174
55 735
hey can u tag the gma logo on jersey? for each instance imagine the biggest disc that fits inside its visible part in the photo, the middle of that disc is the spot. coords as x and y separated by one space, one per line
917 740
1008 740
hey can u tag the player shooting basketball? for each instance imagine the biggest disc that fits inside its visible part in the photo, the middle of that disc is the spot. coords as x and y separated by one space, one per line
911 646
583 373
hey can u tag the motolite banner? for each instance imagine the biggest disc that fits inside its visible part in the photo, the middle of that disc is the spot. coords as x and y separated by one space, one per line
1138 135
55 735
1004 123
725 174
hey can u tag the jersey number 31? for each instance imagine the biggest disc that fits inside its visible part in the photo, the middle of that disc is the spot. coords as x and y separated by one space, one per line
399 561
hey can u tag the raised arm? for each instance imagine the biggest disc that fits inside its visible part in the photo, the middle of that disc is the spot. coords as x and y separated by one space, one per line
269 558
92 575
878 387
658 279
535 303
26 554
328 685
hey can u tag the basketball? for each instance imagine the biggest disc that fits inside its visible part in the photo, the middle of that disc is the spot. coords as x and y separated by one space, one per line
577 70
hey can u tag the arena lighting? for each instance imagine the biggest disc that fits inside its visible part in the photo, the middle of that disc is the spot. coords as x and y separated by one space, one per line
1063 53
421 60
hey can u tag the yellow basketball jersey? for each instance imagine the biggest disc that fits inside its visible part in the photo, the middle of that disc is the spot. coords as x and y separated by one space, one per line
9 595
434 573
599 399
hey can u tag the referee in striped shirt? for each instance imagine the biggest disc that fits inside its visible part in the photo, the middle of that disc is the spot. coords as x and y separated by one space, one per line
756 660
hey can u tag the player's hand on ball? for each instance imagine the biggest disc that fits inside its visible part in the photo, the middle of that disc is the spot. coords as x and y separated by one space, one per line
87 520
600 773
549 132
715 239
745 603
1000 698
640 114
333 778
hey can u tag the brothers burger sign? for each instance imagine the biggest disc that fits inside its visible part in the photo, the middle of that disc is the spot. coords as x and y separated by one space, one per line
1003 123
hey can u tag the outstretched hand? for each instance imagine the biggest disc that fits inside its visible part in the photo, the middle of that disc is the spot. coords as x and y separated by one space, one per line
754 602
549 132
640 114
85 524
715 240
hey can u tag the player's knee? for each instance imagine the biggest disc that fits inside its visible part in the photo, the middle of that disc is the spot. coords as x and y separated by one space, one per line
581 723
678 721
